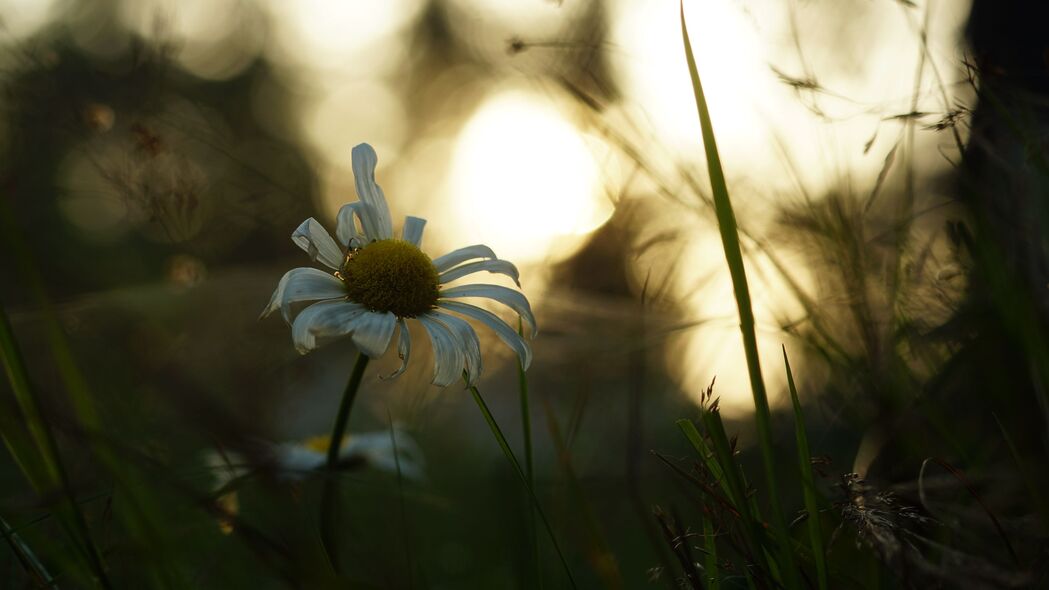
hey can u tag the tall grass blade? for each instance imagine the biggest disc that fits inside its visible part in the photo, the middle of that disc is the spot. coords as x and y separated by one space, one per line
719 460
509 453
136 518
30 562
734 257
526 428
808 482
710 559
598 552
56 476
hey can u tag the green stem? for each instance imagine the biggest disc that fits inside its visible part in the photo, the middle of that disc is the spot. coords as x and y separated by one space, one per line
734 257
526 427
29 401
509 453
329 496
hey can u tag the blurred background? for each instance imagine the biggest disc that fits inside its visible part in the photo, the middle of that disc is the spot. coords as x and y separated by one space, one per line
887 166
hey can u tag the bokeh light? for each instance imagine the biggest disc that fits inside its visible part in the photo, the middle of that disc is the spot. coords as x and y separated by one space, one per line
524 179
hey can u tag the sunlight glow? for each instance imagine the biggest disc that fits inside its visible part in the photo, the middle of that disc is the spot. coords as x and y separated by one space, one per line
351 112
524 180
212 39
22 18
342 34
836 135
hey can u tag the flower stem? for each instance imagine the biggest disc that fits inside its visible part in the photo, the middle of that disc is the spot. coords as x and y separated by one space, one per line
329 496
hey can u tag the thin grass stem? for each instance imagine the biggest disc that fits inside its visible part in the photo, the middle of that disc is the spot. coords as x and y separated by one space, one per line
509 453
40 429
526 429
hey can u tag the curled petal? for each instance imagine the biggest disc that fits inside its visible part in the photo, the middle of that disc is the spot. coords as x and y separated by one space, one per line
346 227
467 337
303 284
372 332
498 266
512 299
448 357
457 257
404 349
413 230
364 162
508 335
315 240
326 319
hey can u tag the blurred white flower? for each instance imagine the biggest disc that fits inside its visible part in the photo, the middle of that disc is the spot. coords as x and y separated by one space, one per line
375 450
375 282
391 452
294 460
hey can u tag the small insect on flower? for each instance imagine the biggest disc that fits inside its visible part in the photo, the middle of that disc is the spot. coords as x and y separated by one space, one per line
375 282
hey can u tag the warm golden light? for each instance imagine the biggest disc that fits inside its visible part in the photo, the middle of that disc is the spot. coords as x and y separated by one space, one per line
351 35
22 18
524 180
770 137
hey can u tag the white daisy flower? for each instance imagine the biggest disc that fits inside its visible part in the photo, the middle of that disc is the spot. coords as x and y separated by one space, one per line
375 282
375 449
294 460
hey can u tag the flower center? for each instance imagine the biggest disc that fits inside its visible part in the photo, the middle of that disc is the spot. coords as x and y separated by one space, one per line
391 275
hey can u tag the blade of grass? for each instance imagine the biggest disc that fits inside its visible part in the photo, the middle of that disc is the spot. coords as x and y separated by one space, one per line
694 437
30 562
40 430
87 418
509 453
526 428
710 559
400 501
721 463
600 554
734 257
808 482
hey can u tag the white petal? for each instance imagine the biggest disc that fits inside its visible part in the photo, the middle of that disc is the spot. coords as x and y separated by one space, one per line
508 335
413 230
456 257
315 240
278 295
467 339
303 284
346 227
404 349
499 266
513 299
448 358
380 451
296 460
364 161
372 332
326 319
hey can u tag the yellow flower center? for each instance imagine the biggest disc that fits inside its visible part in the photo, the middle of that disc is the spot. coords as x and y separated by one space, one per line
318 443
391 275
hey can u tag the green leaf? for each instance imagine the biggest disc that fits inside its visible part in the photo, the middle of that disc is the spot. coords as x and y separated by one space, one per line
807 480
